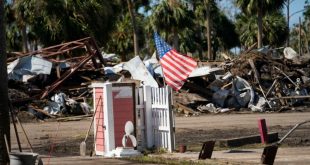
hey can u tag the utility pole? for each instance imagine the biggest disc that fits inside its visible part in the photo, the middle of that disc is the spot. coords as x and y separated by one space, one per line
288 22
299 43
289 16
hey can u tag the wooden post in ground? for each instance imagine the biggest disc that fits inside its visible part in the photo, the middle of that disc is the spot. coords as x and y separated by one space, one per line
263 131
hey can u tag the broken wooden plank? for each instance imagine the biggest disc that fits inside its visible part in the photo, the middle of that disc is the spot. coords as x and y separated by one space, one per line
198 89
74 118
256 75
291 97
240 141
272 87
41 111
184 109
58 66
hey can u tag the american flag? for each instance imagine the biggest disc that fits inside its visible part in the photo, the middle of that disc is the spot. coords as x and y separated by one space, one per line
176 67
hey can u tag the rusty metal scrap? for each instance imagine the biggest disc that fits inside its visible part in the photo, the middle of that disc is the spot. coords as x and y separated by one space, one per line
64 53
51 52
66 75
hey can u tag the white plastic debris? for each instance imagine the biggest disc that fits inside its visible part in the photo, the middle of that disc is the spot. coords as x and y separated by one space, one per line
138 71
290 53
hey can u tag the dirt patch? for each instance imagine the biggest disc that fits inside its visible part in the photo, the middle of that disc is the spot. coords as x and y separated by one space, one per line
190 131
300 137
27 117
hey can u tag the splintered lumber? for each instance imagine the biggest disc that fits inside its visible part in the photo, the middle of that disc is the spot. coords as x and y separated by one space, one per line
282 101
225 56
257 79
42 111
272 87
250 48
227 86
198 89
256 74
292 97
184 109
74 118
240 141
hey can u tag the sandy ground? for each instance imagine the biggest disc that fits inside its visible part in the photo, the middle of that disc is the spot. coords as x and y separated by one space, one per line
292 156
61 140
209 127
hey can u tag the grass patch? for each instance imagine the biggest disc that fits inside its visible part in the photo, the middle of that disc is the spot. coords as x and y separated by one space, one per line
197 148
161 160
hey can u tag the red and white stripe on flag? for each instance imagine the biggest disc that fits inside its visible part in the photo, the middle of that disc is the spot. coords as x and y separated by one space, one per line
176 68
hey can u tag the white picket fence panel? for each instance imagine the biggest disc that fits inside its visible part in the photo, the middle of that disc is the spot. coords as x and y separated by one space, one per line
140 113
159 119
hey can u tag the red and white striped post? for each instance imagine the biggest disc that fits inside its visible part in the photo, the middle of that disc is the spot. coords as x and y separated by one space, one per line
263 131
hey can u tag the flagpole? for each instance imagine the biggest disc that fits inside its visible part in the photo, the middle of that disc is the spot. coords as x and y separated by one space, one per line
164 80
175 65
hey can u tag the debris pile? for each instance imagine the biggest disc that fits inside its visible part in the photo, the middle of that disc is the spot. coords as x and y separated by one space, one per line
55 81
254 81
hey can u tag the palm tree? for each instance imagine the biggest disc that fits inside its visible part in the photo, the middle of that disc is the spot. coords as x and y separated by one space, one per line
259 8
13 35
274 27
223 35
301 35
56 21
121 39
134 26
4 112
171 17
21 16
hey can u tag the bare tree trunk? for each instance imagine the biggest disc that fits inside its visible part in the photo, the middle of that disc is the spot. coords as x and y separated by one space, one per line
25 39
134 25
4 111
200 50
306 43
200 53
176 45
260 27
208 25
